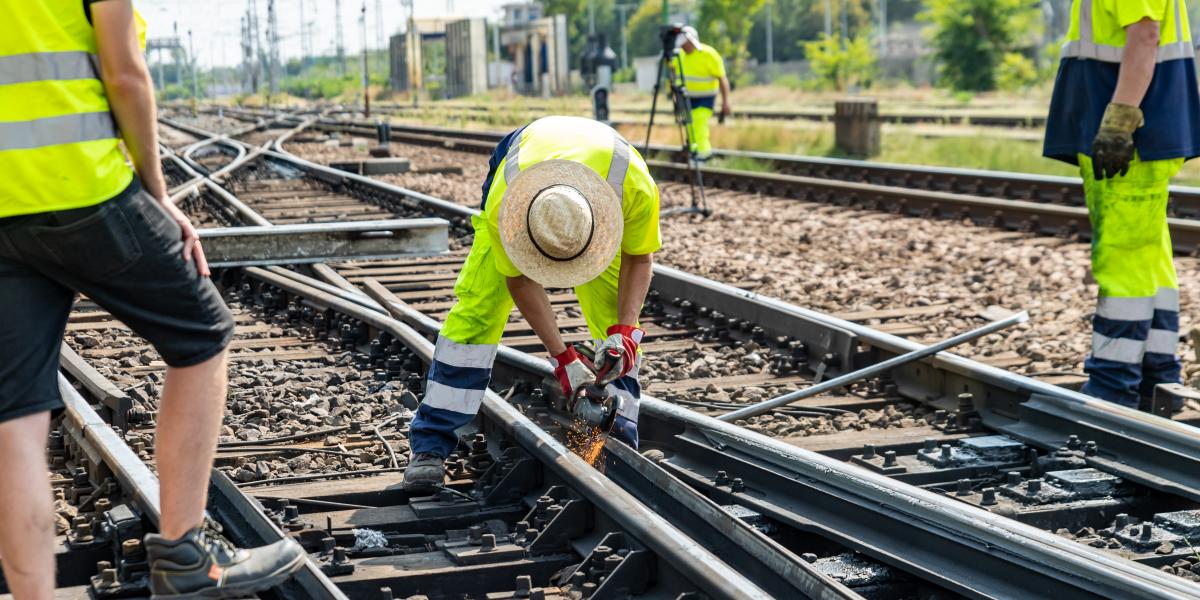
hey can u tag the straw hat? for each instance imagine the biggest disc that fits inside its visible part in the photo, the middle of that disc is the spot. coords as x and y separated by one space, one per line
560 223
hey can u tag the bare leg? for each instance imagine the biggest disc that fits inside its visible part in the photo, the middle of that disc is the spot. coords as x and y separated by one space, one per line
27 526
189 421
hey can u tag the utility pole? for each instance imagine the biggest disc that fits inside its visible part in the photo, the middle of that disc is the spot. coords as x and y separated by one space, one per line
380 37
883 28
304 50
828 19
621 8
175 54
592 17
845 14
338 42
414 40
273 54
366 78
770 33
192 62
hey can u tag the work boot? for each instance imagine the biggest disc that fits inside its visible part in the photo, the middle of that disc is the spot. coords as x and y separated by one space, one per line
203 564
424 472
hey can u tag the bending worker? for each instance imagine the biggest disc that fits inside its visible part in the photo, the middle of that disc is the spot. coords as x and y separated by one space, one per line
704 75
75 218
567 203
1126 110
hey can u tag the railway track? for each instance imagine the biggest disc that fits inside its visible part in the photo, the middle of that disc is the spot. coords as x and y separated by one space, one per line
1052 206
971 517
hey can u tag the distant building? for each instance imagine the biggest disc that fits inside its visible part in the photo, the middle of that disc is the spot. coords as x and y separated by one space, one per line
518 13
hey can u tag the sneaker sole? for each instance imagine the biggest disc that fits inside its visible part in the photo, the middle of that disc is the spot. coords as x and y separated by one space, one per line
258 585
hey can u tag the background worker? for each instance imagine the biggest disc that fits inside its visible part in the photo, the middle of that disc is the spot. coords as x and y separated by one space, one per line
567 203
704 75
1127 111
74 218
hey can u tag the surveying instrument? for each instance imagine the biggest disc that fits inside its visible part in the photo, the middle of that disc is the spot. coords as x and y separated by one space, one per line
670 67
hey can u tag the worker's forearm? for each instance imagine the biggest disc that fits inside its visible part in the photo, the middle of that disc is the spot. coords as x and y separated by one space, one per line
1137 63
633 283
724 91
131 97
530 298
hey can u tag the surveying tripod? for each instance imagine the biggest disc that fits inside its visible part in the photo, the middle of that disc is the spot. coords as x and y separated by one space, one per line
670 67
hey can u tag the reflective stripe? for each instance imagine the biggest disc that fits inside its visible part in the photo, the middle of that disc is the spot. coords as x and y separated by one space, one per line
442 396
1113 54
1086 46
48 66
619 166
1118 349
1125 309
699 79
1167 299
512 162
1161 341
51 131
477 356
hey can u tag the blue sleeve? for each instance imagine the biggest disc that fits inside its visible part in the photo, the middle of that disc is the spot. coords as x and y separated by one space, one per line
494 162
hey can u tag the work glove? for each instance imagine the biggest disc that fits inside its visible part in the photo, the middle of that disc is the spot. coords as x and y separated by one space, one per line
571 372
617 355
1112 150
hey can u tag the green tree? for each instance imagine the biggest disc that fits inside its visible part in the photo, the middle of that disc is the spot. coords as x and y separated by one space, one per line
725 25
972 37
839 63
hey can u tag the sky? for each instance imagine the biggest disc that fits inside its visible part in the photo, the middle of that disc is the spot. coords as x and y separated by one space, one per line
216 24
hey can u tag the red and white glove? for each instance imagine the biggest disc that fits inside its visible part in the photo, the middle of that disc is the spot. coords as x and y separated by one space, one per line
571 372
617 355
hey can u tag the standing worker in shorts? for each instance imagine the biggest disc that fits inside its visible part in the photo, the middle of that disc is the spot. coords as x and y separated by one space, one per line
704 75
73 218
1127 111
567 203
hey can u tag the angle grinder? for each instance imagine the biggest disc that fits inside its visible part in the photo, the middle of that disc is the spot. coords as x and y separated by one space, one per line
595 406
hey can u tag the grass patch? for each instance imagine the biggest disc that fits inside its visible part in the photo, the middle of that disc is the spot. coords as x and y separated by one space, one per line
741 163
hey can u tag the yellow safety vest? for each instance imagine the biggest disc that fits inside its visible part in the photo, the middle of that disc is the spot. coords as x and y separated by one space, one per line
702 71
1098 28
58 141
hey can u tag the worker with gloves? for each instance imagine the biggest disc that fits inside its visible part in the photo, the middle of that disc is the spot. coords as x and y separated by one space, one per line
703 75
567 203
1126 110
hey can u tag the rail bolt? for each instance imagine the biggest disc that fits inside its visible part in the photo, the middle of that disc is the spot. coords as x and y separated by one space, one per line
868 451
738 485
889 458
487 542
1034 486
722 478
1012 478
964 487
989 497
385 593
523 586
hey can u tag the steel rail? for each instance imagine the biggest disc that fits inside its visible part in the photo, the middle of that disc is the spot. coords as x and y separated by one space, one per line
1067 191
103 445
703 568
1150 450
893 521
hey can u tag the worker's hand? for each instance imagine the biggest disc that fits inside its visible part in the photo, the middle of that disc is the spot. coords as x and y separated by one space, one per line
191 239
726 108
1113 149
572 374
618 353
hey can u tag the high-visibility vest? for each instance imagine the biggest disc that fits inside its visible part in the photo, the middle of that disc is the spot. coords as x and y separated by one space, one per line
702 71
1097 32
58 141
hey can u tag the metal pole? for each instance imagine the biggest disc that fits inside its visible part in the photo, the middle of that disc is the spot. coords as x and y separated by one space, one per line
848 378
592 16
622 9
844 13
192 62
828 19
883 28
770 33
414 40
366 76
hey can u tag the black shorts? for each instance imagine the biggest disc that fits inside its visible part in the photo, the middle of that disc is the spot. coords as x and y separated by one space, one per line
126 255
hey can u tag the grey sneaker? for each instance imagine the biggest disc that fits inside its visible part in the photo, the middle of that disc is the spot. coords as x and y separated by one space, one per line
424 472
203 564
